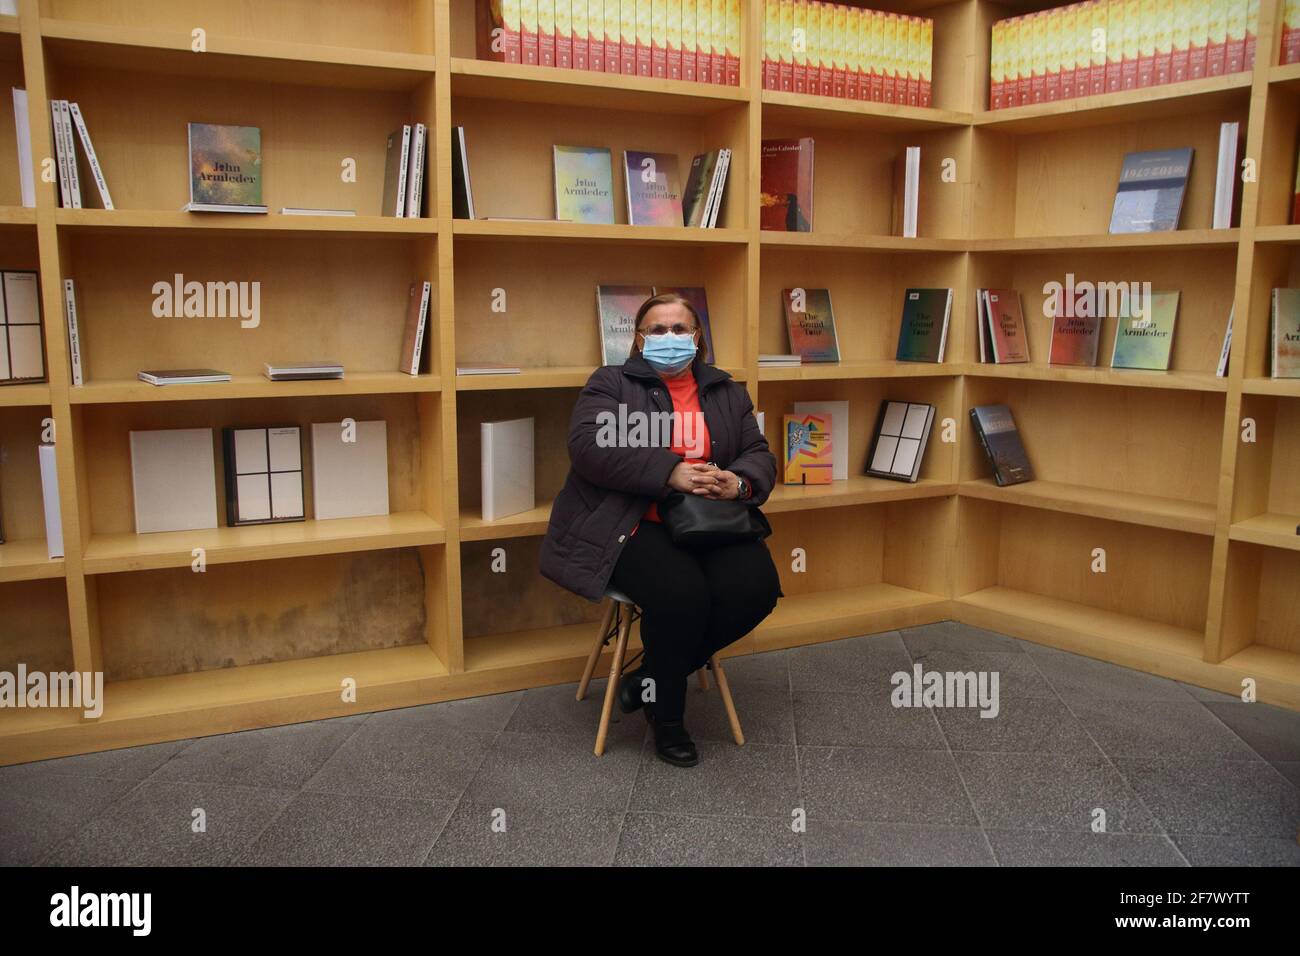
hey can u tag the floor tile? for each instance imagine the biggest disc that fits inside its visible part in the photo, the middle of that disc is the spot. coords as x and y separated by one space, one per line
756 780
1271 732
1075 677
1017 674
764 710
1212 796
955 637
1075 848
128 763
1238 850
39 809
479 714
663 839
486 835
862 720
1022 725
842 843
556 710
858 665
554 770
1167 728
883 786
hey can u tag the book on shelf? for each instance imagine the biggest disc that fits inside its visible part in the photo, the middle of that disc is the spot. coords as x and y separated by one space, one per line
488 368
705 186
837 417
22 336
616 308
898 445
1051 55
50 501
654 195
786 188
998 436
1226 199
1145 341
1008 342
1290 52
835 49
308 211
808 458
584 184
906 188
173 480
810 323
74 330
1295 193
417 323
506 468
766 360
397 157
415 169
1149 197
1284 325
65 155
302 371
1222 369
349 469
86 163
264 483
182 376
462 195
225 168
923 332
23 139
699 300
1076 332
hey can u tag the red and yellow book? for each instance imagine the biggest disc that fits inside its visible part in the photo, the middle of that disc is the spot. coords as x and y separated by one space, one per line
644 42
794 60
1164 65
1065 50
1234 56
876 79
1198 42
1132 31
1052 56
927 59
1252 33
1146 71
1216 48
658 39
1099 17
688 41
807 450
1182 42
673 39
546 32
825 48
731 38
528 32
613 52
498 37
596 36
627 37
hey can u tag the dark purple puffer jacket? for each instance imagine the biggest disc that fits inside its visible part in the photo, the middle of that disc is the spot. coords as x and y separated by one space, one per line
609 489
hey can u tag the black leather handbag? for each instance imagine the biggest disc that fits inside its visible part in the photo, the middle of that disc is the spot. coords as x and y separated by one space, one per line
694 521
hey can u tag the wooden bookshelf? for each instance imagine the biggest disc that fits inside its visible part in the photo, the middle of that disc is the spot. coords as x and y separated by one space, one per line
1197 525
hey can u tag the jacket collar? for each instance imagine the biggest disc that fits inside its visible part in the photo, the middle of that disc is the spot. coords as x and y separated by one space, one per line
705 375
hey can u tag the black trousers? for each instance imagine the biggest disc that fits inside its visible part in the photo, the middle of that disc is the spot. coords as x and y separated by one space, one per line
693 604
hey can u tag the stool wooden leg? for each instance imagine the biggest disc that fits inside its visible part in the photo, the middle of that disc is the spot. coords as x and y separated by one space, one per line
615 671
704 678
724 690
605 618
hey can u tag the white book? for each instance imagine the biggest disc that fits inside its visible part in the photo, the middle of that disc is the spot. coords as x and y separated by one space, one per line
716 185
50 497
838 412
349 469
61 155
780 360
981 317
74 333
23 130
304 211
22 346
488 368
1227 346
399 155
297 371
92 161
70 150
174 480
507 468
1225 178
911 190
221 207
463 191
415 175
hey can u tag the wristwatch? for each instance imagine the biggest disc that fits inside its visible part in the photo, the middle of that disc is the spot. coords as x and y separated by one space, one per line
742 488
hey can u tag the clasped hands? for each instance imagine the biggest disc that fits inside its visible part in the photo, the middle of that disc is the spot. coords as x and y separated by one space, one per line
705 480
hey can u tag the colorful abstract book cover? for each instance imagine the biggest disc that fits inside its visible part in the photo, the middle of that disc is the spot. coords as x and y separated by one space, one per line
696 297
924 329
1146 341
654 193
810 320
1150 193
1007 326
808 450
225 164
786 200
584 184
1075 337
616 307
1286 333
998 435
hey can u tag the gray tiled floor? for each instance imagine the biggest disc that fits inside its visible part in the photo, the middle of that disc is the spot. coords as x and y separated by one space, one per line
832 774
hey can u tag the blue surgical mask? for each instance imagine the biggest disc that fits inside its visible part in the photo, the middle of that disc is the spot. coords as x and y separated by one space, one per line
669 353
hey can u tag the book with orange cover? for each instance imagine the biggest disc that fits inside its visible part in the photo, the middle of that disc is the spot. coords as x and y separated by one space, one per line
642 27
1198 39
808 459
596 36
796 76
731 44
1216 47
876 66
853 18
997 63
787 11
546 32
1038 57
839 20
1114 45
927 60
688 41
1234 54
1146 73
1006 326
658 39
613 45
826 49
1164 65
528 32
1132 30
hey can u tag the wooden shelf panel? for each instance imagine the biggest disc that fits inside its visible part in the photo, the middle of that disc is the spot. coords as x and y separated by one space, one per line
251 386
837 112
1286 387
866 609
1278 235
559 376
1154 241
1173 99
1286 75
8 23
28 560
478 230
107 46
858 490
523 525
488 79
111 553
537 646
1271 530
17 217
12 396
829 240
1101 375
816 371
1150 510
1269 663
231 223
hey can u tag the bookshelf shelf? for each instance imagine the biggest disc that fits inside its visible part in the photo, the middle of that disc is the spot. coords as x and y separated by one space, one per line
568 644
1270 530
824 371
536 84
1177 240
840 241
527 524
113 553
16 217
1152 510
105 221
18 396
832 112
8 23
28 560
1101 375
808 618
1278 235
251 386
566 376
1257 385
1285 75
857 490
478 230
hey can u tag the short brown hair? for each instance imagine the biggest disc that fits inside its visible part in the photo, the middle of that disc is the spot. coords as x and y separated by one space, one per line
663 298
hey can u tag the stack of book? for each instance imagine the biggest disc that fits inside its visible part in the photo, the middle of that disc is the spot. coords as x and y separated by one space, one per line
303 371
833 49
1105 46
76 160
693 40
404 172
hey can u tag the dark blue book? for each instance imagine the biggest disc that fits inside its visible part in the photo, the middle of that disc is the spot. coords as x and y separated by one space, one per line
1151 188
996 430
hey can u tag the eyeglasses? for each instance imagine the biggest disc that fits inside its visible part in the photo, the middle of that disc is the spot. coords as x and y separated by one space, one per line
678 329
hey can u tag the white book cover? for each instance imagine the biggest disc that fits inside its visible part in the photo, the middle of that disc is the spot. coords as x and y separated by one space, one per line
50 496
1225 179
981 316
74 332
716 189
911 190
23 131
70 150
91 160
507 468
9 8
415 175
1222 370
463 155
61 155
839 416
350 477
174 480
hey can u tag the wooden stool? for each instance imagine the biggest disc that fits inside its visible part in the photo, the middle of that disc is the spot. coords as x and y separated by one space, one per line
616 624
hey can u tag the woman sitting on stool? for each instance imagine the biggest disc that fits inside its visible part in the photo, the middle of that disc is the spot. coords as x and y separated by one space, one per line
605 529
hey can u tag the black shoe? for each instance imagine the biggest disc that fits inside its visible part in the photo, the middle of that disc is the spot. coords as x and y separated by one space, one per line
672 743
630 690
